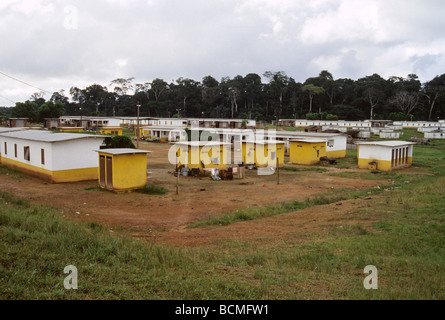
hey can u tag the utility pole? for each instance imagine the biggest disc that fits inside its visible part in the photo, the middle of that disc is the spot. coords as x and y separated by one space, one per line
137 130
278 170
177 173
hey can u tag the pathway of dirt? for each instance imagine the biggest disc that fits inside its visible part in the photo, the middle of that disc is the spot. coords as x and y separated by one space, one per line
166 216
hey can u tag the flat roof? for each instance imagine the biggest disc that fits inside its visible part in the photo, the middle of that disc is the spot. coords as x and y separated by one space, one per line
301 134
163 128
386 143
118 151
311 140
46 136
264 141
202 143
8 129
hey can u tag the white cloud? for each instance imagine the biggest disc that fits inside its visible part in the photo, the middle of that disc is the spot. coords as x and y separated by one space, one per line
169 39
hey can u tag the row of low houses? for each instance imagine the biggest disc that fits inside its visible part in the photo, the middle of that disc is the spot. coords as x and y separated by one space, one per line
68 157
361 124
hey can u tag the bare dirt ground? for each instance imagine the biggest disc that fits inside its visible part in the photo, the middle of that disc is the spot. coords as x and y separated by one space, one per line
165 217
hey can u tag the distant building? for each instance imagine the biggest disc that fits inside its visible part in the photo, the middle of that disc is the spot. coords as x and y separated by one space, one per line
17 122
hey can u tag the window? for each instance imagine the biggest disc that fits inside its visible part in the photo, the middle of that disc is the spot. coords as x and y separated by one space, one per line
330 143
26 153
6 148
15 150
42 156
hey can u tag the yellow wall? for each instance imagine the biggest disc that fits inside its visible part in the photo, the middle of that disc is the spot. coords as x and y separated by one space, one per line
261 154
306 152
197 154
59 176
248 153
73 129
382 165
129 171
336 154
116 131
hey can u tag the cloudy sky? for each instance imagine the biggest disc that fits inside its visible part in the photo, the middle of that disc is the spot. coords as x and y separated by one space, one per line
56 44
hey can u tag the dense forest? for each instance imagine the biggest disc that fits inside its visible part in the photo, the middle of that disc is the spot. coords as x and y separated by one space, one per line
274 95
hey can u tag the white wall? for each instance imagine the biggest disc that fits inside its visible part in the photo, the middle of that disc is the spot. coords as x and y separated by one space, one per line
76 154
66 155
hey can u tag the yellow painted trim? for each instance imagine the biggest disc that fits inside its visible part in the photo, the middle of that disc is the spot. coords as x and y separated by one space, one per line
59 176
111 131
71 130
381 164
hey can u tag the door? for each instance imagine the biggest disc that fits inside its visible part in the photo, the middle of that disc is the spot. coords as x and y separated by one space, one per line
109 172
102 171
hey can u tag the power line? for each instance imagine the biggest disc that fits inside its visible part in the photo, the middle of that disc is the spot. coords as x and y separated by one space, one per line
6 98
30 85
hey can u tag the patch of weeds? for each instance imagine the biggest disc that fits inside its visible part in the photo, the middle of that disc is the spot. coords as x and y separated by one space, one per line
302 169
95 188
152 190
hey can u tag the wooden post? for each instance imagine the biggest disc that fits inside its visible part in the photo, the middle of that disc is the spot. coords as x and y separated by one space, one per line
278 170
177 173
137 130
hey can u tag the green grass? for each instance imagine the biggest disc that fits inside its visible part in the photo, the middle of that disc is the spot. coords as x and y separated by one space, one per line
153 190
17 175
303 169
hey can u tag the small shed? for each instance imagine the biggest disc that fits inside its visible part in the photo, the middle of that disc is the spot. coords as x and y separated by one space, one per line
201 154
435 135
52 123
17 122
122 170
263 153
307 151
390 134
384 155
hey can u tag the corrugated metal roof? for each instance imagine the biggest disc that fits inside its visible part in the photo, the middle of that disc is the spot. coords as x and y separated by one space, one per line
46 136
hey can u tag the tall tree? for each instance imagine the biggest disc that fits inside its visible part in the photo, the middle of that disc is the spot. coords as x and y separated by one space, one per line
26 109
121 87
433 90
372 90
312 91
185 88
50 110
405 101
253 86
278 82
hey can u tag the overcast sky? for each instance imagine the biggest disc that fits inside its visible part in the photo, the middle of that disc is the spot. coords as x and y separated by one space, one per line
57 44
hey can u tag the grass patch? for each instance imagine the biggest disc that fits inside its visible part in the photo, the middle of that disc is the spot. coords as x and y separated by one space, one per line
17 175
303 169
262 212
152 190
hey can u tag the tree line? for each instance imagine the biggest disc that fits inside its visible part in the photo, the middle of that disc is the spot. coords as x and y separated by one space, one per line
274 95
